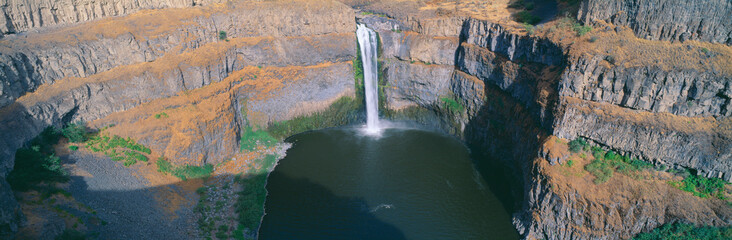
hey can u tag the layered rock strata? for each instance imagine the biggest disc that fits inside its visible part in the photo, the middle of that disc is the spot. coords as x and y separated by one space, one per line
670 20
22 15
89 71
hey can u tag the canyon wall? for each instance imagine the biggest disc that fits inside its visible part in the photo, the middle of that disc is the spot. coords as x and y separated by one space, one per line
519 90
669 20
117 71
95 47
280 60
22 15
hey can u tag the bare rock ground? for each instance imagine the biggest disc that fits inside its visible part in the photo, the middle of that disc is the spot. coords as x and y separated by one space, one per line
126 202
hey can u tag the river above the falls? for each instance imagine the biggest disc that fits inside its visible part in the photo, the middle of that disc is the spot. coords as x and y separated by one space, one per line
405 184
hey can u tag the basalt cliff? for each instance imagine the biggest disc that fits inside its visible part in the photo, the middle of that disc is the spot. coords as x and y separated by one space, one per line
650 80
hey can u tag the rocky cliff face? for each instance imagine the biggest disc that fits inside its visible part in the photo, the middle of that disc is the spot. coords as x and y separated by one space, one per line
519 90
80 51
22 15
90 71
565 204
684 92
282 60
670 20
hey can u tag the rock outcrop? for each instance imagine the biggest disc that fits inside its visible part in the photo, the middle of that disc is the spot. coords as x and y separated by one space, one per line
564 204
280 60
685 92
92 70
704 144
22 15
518 90
87 49
670 20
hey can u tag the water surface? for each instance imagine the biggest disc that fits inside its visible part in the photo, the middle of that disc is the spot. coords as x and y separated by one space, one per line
406 184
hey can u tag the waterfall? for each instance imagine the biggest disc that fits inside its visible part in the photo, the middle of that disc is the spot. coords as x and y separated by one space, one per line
367 41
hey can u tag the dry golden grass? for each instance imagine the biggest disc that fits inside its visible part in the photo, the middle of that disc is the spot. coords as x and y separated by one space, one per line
630 51
202 56
150 23
193 113
144 23
606 203
665 121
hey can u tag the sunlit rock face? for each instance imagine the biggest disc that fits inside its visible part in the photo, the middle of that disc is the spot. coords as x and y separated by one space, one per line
706 21
119 63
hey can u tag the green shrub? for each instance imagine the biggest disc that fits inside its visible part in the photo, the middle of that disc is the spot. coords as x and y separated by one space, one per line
193 172
250 202
358 73
577 145
452 105
184 172
73 148
570 163
132 157
250 139
222 233
164 166
686 231
527 17
701 186
529 6
37 164
222 35
607 162
118 148
529 28
75 132
343 111
597 152
373 13
601 170
580 29
159 115
516 5
71 234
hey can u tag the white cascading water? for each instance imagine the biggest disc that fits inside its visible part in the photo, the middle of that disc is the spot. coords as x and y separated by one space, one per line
367 41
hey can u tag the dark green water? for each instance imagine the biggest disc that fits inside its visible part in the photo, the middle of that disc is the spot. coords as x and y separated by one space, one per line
407 184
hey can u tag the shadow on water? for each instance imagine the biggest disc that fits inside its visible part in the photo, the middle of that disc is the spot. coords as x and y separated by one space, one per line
406 184
343 211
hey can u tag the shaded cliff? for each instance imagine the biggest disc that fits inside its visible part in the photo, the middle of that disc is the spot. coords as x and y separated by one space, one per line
670 20
518 90
460 65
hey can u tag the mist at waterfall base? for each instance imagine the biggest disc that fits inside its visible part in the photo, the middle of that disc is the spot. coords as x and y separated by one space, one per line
406 184
380 181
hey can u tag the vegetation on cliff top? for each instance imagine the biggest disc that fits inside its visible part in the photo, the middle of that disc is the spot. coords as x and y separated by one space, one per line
117 148
251 139
37 167
451 104
343 111
701 186
605 163
686 231
75 132
184 172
